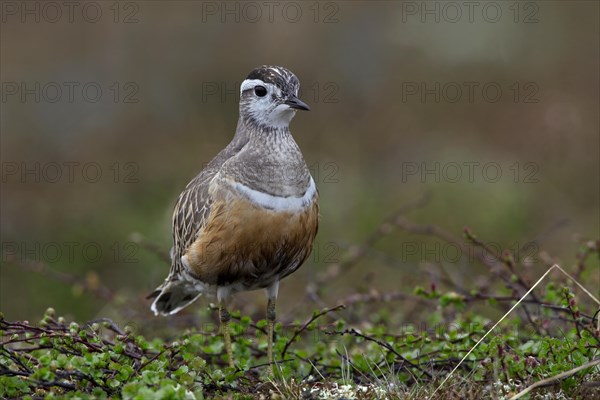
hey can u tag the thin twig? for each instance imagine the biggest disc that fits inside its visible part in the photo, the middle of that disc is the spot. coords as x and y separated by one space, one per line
391 349
307 323
150 246
555 379
506 315
356 253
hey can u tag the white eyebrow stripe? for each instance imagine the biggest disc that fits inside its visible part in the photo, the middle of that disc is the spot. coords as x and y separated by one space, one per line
249 84
277 203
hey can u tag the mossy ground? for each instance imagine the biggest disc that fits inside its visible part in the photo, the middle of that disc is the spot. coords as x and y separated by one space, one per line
326 356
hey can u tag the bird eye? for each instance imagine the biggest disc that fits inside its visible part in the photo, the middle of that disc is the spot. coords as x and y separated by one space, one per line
260 91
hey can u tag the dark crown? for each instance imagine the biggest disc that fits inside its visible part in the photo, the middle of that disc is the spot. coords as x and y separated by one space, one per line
281 77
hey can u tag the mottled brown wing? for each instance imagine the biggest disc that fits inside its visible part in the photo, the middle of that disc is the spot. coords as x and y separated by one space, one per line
194 205
191 210
190 214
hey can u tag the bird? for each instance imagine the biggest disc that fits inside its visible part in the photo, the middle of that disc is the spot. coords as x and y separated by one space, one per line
250 217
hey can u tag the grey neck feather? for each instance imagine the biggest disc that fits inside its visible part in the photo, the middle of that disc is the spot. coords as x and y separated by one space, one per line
269 160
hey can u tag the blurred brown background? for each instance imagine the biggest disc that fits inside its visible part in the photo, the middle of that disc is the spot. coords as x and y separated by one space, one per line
110 108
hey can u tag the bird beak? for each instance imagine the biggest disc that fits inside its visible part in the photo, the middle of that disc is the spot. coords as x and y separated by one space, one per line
294 102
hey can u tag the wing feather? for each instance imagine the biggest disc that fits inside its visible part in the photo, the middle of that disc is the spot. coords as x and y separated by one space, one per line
194 205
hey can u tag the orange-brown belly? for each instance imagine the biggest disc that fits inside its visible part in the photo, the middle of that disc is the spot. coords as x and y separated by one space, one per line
251 246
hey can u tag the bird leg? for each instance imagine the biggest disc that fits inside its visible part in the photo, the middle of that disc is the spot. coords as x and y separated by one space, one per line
271 326
272 299
224 316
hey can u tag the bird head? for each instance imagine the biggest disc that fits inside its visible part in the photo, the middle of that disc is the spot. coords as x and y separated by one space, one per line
269 97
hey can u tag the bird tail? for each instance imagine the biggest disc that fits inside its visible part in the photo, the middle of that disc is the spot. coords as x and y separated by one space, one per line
172 296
